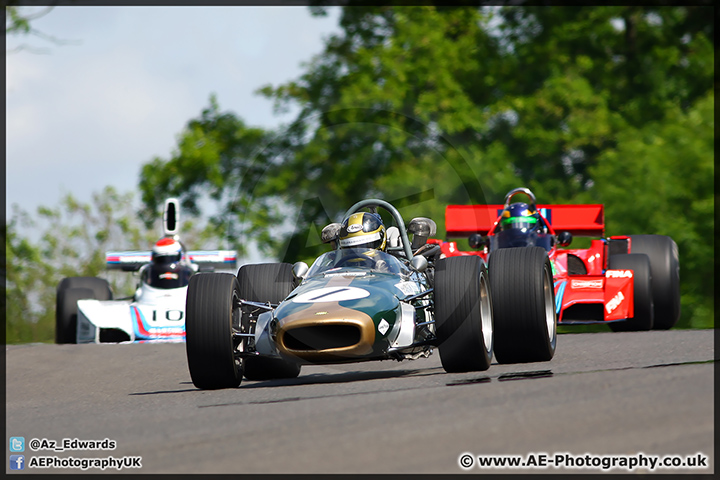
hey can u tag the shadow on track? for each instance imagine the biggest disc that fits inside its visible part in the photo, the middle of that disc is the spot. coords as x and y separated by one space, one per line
311 379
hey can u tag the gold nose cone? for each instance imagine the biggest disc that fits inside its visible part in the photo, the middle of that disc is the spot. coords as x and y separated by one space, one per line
324 333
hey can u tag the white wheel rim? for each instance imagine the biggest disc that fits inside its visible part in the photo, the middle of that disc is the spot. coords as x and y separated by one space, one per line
486 314
550 322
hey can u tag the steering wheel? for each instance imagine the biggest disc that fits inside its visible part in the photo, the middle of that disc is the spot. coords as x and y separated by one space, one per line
361 256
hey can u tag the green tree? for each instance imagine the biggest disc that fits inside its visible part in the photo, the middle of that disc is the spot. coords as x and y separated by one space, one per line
218 160
363 120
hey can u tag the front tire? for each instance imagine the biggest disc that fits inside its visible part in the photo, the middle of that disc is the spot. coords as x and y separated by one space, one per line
524 305
69 291
266 282
212 313
66 312
463 314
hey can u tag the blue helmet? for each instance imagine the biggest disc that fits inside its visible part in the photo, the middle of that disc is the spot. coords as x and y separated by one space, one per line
520 216
520 224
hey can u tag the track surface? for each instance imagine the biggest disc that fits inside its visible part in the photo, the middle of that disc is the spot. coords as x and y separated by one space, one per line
603 393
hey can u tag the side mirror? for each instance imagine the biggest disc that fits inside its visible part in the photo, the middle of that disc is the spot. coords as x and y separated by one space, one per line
476 241
171 217
419 263
329 234
564 239
421 228
299 270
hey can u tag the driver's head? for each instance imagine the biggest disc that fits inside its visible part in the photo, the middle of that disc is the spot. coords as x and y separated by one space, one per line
167 269
363 230
519 216
166 251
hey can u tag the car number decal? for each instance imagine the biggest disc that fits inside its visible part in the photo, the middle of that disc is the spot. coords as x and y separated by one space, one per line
331 294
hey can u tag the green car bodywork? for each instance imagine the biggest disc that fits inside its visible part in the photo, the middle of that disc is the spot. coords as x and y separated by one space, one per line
359 304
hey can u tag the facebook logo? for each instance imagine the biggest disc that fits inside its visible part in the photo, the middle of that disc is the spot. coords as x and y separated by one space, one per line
17 462
17 444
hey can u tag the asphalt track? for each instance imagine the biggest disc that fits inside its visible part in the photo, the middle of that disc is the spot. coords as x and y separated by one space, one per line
647 393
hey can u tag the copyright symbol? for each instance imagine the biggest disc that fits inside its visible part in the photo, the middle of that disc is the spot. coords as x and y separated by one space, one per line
34 444
466 460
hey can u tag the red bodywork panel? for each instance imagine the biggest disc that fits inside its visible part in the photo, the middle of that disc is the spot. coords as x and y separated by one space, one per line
600 295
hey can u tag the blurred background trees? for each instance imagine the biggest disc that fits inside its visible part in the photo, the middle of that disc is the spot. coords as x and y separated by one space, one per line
425 106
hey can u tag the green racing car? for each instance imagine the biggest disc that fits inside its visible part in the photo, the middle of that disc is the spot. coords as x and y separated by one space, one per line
376 295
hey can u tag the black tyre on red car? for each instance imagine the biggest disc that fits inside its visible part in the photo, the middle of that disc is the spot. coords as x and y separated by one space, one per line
662 252
463 314
523 298
267 282
212 314
643 315
69 291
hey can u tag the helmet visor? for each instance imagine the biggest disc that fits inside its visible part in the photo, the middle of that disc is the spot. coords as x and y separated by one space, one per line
371 240
519 223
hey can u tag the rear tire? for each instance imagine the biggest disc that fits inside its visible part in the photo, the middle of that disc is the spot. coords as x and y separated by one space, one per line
69 291
662 252
524 305
463 314
99 286
266 282
642 319
212 312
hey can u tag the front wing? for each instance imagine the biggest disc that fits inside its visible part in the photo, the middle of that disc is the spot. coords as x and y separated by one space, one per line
125 321
581 299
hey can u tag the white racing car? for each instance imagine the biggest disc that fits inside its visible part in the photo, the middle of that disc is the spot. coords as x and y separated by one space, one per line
85 309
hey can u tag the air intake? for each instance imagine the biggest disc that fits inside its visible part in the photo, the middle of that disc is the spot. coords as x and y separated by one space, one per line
113 335
321 337
583 313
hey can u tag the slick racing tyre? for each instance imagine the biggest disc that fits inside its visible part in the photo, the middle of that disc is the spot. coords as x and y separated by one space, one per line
266 282
642 297
212 312
69 291
463 314
523 299
662 252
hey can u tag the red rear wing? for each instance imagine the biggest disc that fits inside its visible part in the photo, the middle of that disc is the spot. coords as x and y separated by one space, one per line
580 220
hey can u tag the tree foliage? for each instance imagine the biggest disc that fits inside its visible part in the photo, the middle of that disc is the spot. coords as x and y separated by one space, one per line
19 22
218 159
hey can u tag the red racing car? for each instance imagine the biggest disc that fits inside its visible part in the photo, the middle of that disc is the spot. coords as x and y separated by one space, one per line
630 282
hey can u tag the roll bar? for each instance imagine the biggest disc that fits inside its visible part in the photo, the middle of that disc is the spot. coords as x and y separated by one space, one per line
374 202
515 191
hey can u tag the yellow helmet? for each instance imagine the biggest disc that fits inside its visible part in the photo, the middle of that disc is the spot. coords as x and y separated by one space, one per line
364 230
